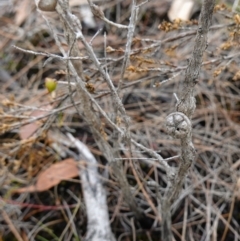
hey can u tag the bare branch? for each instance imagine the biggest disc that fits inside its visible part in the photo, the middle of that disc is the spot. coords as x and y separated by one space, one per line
49 54
179 123
98 12
98 228
131 28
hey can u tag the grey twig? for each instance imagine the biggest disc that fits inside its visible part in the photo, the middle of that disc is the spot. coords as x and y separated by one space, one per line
49 55
179 124
131 28
98 12
98 227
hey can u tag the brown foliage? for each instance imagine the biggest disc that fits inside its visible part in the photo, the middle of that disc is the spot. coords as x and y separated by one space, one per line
211 195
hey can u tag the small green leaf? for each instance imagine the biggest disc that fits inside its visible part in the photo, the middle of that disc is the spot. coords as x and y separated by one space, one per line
50 84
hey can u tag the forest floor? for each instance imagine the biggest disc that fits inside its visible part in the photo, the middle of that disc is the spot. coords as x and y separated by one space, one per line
32 121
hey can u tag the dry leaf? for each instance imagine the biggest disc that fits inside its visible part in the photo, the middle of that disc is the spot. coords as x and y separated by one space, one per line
28 130
52 176
22 11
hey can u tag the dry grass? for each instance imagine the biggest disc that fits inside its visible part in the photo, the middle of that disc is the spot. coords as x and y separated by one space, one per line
208 207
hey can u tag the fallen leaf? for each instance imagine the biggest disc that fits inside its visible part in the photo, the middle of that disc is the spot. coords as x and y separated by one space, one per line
22 11
28 130
52 176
